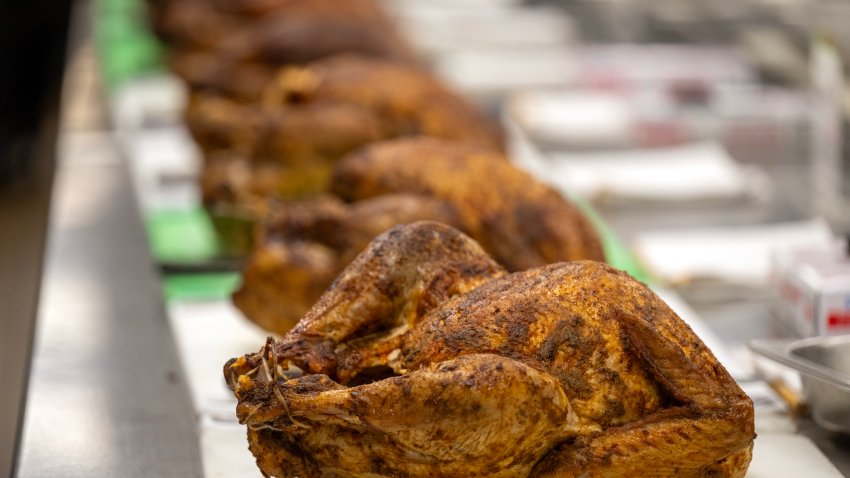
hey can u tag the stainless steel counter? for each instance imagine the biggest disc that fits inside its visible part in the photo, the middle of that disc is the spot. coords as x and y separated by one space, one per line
106 395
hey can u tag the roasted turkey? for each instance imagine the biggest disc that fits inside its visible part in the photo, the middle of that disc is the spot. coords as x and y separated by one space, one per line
426 359
301 247
287 145
234 47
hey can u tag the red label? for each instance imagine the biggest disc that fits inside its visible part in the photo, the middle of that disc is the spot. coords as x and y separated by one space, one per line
839 319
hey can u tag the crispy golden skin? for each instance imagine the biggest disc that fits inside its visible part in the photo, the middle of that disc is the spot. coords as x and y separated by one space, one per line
568 370
521 221
303 247
310 117
518 220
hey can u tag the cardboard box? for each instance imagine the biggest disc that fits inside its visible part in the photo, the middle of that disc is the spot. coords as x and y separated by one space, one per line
811 290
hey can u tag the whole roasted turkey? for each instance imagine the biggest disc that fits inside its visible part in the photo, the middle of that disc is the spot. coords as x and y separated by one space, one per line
234 47
426 359
287 144
301 247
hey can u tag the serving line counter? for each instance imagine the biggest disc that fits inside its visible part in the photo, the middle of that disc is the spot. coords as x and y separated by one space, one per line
106 395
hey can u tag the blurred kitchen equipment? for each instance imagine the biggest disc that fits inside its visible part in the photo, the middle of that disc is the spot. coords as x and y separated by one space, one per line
824 366
739 256
827 149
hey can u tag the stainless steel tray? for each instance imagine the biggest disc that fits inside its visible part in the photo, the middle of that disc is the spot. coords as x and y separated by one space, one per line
824 366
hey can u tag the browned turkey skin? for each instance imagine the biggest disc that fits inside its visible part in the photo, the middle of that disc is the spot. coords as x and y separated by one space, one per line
571 369
234 47
301 247
287 144
521 221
